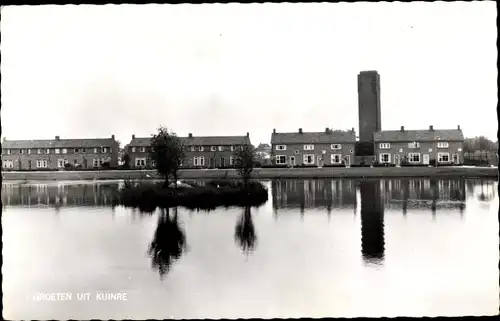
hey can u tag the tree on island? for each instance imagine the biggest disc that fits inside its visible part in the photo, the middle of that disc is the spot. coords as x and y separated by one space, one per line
167 150
245 162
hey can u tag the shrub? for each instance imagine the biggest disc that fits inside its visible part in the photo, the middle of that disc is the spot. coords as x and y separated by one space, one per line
147 197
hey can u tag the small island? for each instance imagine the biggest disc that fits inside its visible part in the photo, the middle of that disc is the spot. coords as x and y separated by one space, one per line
167 151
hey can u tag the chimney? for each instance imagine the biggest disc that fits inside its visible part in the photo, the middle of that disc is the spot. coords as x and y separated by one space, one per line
352 129
248 134
133 136
113 137
431 128
300 130
57 138
402 128
274 130
327 130
459 127
190 135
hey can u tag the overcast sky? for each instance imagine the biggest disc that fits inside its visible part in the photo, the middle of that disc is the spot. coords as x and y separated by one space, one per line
93 71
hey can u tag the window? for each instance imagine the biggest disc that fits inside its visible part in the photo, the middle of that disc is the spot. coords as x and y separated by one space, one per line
180 162
232 148
309 147
133 149
296 152
385 158
153 163
213 148
83 150
41 163
104 150
336 158
192 148
60 163
221 148
443 145
231 160
64 151
75 162
8 164
39 151
414 157
281 159
443 157
384 145
143 149
95 151
95 162
57 151
414 145
336 146
140 162
199 161
280 147
76 150
29 151
47 151
308 159
201 148
9 151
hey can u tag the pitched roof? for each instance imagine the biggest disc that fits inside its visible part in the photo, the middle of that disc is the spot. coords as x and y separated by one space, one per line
60 143
419 135
197 141
314 137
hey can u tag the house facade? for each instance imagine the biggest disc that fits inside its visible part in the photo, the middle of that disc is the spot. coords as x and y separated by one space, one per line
57 152
420 147
331 147
200 151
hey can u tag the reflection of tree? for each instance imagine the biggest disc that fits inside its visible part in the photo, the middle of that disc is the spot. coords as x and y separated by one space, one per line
372 221
168 244
244 233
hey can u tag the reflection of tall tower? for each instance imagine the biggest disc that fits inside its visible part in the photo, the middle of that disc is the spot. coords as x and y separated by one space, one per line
372 221
369 105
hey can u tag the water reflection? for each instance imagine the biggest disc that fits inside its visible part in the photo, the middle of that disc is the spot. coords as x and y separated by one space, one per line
59 195
404 194
244 233
169 242
319 193
372 222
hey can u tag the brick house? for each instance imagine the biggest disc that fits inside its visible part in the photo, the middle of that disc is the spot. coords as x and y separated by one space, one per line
330 147
55 153
420 146
200 151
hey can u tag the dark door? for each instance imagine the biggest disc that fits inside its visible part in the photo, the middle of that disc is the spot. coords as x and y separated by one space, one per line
222 162
29 165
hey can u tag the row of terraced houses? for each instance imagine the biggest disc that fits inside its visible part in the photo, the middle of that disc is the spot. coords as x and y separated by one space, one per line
299 148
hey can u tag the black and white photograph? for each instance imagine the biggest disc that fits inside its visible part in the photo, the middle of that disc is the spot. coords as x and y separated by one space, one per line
236 161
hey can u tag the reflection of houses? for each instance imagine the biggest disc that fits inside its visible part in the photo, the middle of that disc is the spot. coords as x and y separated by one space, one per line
200 151
423 194
56 153
372 220
330 147
58 195
313 194
420 146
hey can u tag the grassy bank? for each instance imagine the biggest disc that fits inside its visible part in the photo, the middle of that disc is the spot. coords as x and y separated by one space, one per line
264 173
148 196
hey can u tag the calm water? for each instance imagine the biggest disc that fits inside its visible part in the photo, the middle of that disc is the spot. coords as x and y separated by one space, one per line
340 248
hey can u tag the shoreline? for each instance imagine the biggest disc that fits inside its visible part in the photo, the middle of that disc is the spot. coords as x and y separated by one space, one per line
262 173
